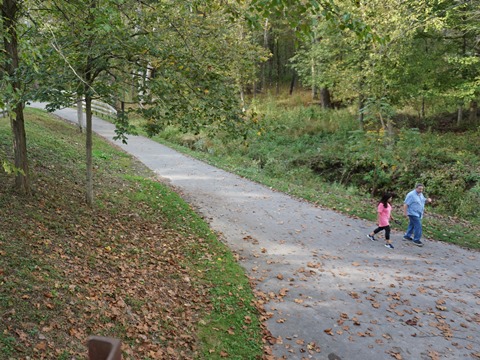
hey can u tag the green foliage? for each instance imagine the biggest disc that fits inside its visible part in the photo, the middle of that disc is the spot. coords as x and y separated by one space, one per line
423 51
197 81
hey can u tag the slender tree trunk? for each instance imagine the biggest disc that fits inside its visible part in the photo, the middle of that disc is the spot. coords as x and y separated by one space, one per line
313 69
80 115
88 149
292 83
473 117
278 66
391 132
361 104
423 108
459 115
314 87
242 98
264 64
10 11
89 78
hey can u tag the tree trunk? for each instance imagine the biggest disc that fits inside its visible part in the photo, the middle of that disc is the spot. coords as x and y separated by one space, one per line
242 99
80 114
10 10
278 76
264 64
473 117
89 78
390 140
325 98
88 149
423 108
361 104
292 83
459 115
314 87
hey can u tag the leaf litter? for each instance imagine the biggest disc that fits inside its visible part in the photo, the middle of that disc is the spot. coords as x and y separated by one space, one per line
68 272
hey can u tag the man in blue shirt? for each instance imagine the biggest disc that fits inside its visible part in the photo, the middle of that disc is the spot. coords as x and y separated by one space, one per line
413 207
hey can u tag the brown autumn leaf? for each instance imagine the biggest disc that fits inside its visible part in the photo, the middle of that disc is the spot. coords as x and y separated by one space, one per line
412 322
41 346
22 335
328 331
313 346
395 354
354 295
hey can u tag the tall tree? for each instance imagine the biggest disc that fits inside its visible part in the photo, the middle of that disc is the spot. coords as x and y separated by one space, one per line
85 39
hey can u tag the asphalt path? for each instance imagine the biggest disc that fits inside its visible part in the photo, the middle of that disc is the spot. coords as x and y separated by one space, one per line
329 292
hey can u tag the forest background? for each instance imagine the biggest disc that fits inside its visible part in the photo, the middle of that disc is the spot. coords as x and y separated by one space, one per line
332 101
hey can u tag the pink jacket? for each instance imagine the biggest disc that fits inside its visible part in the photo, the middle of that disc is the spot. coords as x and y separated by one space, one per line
384 214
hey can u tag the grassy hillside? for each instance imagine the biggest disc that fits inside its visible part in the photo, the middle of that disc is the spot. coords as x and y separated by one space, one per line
140 266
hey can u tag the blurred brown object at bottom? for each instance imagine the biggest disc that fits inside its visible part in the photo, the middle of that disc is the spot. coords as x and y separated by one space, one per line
104 348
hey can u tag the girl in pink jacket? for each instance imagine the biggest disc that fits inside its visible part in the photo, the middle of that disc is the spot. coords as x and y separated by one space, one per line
384 211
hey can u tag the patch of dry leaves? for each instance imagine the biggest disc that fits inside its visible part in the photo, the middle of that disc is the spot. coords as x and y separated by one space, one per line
97 272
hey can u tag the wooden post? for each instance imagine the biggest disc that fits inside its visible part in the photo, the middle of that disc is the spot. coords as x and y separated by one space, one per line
103 348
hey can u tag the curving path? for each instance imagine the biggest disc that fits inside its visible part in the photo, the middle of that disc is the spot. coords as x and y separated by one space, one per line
330 293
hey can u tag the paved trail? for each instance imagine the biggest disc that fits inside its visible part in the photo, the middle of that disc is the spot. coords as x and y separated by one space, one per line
331 292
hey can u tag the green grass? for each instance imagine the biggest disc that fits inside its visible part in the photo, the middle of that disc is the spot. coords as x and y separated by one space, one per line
65 267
